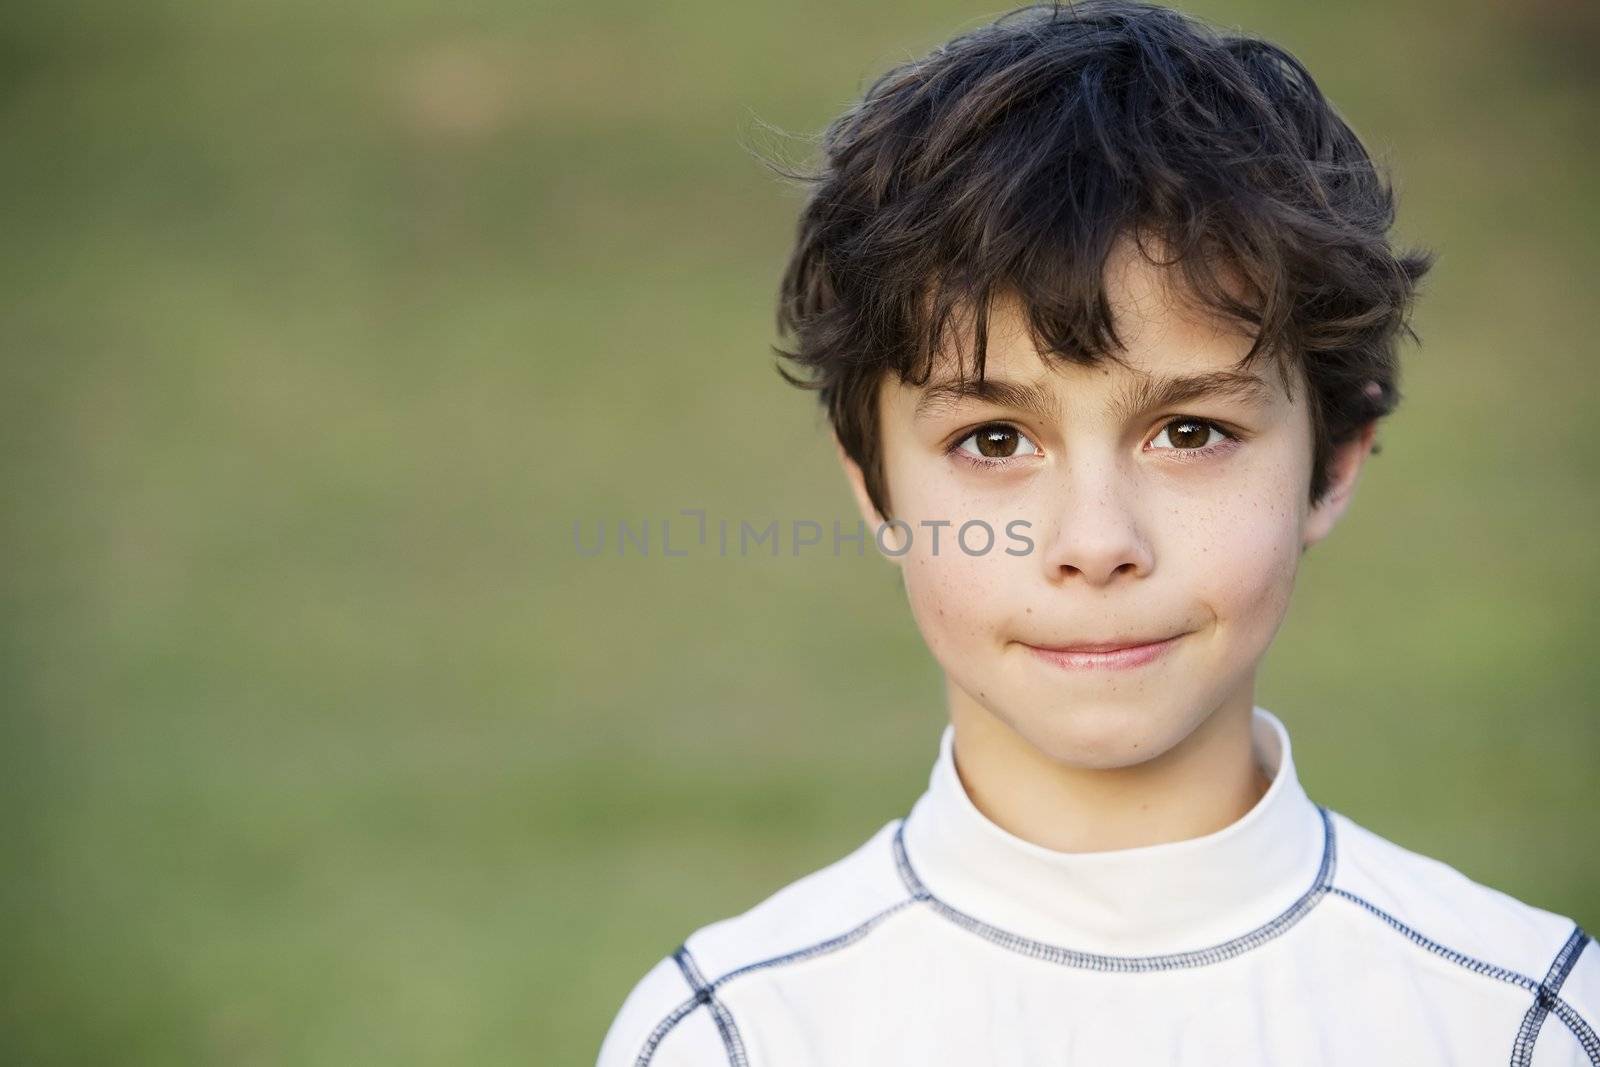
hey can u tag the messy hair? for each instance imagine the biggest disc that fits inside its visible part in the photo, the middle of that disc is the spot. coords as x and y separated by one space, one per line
1012 159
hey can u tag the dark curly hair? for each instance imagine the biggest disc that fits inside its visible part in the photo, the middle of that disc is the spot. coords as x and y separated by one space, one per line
1011 160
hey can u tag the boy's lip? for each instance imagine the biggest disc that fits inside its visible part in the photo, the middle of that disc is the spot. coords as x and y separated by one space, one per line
1113 654
1110 645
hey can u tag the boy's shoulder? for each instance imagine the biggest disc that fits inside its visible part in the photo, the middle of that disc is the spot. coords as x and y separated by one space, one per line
821 912
1475 933
1444 911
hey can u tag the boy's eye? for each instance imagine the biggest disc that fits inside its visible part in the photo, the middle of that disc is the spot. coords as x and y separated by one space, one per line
997 441
1188 434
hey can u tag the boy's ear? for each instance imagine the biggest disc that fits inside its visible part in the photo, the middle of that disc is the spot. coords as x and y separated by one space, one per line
1344 469
864 504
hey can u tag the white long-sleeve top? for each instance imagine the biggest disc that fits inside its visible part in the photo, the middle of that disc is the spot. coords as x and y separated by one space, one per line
1292 936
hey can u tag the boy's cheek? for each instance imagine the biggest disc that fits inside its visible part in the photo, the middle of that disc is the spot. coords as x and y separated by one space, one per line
954 598
1246 585
968 608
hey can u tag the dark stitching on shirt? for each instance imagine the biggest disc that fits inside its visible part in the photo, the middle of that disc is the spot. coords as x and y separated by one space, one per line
704 992
820 948
1471 963
719 1012
1099 962
1545 997
1558 1007
1580 1029
664 1027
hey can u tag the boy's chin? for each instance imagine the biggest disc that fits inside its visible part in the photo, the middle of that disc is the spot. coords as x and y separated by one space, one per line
1105 736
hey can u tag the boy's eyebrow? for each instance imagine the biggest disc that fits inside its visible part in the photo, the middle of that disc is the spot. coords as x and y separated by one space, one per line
1159 391
1146 392
1033 398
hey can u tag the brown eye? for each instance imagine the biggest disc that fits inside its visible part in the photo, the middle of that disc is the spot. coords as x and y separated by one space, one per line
997 441
1187 435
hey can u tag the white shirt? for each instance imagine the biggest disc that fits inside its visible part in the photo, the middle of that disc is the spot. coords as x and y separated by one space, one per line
1292 936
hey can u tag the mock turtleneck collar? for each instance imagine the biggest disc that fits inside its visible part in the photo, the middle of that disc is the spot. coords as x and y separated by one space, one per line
1172 897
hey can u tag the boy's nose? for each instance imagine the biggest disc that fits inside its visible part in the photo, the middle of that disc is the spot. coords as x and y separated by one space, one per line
1097 535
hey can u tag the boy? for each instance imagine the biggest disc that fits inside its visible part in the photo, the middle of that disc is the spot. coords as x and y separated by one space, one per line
1171 258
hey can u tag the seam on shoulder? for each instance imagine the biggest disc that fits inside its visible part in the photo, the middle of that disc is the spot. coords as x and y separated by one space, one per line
704 992
1545 997
821 948
664 1027
1580 1027
731 1041
1461 959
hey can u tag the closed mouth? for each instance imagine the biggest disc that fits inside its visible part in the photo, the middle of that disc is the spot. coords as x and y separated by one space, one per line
1113 645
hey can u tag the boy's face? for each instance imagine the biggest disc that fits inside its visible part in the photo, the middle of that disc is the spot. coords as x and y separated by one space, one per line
1148 521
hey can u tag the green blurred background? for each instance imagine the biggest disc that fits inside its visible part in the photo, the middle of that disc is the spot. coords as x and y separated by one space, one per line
324 323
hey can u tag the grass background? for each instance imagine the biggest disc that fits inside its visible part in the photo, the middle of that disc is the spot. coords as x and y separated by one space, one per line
323 323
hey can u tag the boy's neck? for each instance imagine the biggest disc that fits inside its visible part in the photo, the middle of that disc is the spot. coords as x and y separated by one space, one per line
1204 783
